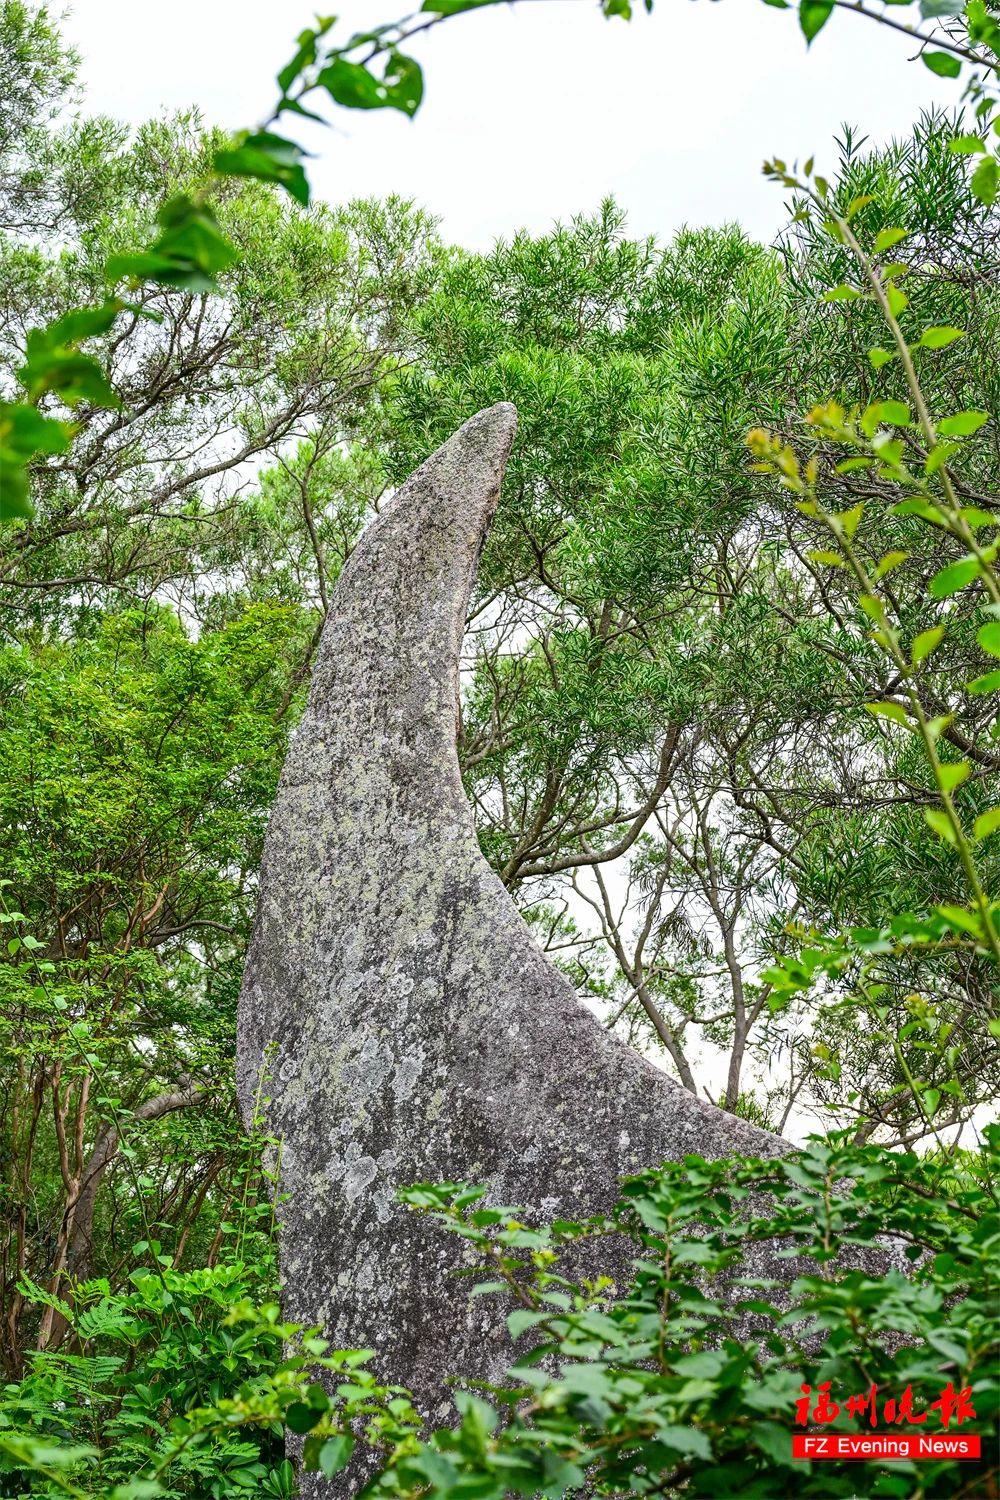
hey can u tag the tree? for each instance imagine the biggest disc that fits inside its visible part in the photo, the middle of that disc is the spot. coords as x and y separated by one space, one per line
663 682
159 610
208 388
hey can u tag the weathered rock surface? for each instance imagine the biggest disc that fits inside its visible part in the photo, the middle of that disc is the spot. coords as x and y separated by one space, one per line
420 1033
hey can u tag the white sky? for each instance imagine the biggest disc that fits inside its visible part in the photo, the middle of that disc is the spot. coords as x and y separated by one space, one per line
534 112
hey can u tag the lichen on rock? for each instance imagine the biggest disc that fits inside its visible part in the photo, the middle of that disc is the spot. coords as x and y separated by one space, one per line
421 1033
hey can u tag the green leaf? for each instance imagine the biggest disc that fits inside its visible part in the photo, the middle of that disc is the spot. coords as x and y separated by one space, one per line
189 254
925 643
890 452
889 561
317 1398
561 1477
283 1479
977 517
940 823
454 7
813 16
961 919
706 1365
984 180
774 1440
940 454
963 423
82 323
522 1318
335 1454
889 237
851 519
988 822
404 81
953 773
988 684
896 413
479 1419
54 363
988 637
302 1418
352 86
917 505
25 432
893 711
72 376
294 107
31 1450
942 63
898 301
940 337
842 293
15 501
686 1440
967 145
303 56
880 357
268 158
954 577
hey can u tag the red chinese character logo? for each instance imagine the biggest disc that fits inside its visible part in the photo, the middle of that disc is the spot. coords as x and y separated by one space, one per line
903 1410
952 1403
824 1411
951 1406
858 1406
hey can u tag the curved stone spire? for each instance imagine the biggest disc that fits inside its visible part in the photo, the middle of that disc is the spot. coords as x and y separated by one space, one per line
419 1034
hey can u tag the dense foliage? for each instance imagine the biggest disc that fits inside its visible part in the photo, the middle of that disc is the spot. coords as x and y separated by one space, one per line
729 729
640 1389
689 694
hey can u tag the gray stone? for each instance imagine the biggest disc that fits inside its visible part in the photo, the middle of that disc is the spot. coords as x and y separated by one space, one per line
420 1034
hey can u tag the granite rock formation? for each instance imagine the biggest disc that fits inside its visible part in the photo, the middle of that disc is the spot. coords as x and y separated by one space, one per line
417 1032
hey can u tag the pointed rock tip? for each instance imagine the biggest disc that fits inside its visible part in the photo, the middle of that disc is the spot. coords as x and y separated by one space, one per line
498 422
469 466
